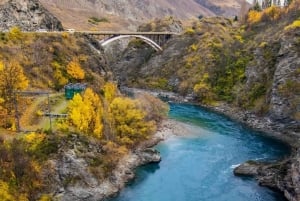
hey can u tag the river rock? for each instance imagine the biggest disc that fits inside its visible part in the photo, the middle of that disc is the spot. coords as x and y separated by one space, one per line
149 156
249 168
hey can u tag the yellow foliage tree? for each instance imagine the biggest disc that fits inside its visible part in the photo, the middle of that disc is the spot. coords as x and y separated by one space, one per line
85 113
110 91
12 78
4 192
155 108
272 13
129 121
46 198
254 16
74 70
15 34
3 111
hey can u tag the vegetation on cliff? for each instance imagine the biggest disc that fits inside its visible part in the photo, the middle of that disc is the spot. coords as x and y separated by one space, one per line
222 60
101 117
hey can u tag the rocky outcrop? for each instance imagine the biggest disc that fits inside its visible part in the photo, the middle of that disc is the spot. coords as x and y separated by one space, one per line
167 24
73 180
29 15
282 176
285 94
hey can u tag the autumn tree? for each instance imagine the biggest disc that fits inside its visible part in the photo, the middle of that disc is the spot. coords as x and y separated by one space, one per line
154 108
3 112
74 70
12 78
110 91
129 121
4 192
254 16
15 34
85 113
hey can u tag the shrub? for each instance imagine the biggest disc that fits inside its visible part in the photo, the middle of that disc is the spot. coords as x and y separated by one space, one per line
96 20
189 31
294 25
15 34
254 17
272 13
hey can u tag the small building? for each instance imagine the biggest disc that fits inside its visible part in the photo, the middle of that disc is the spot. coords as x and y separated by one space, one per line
72 89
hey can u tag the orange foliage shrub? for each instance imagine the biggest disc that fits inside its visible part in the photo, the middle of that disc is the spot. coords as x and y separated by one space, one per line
254 16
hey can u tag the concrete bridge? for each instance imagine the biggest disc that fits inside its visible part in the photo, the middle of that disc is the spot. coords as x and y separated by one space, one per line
155 39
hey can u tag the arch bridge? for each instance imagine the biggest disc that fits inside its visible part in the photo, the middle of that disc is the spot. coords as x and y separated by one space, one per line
154 39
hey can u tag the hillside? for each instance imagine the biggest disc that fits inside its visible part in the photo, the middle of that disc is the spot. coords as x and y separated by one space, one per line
218 60
83 149
127 15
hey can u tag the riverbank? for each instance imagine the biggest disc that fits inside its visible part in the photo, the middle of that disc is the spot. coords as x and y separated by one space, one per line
283 175
124 172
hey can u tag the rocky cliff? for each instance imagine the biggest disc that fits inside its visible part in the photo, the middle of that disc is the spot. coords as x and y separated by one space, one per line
29 15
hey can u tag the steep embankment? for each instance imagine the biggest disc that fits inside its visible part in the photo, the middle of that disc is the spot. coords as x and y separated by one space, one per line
127 15
249 72
28 15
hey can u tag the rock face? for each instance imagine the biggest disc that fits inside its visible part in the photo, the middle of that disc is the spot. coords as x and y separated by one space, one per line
285 93
283 175
29 15
277 67
73 180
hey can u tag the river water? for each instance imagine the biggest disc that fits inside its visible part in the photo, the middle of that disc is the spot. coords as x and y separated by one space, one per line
199 167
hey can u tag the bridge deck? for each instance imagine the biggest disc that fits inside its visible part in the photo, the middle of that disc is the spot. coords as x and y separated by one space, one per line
107 33
125 33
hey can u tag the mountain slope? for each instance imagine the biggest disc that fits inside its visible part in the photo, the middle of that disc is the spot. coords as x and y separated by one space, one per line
128 14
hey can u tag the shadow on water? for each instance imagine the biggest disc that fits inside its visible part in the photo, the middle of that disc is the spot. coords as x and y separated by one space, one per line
143 172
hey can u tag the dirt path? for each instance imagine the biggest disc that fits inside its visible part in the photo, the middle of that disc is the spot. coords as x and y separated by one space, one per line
30 113
58 108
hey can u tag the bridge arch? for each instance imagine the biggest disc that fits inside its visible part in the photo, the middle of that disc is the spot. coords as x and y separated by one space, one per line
147 40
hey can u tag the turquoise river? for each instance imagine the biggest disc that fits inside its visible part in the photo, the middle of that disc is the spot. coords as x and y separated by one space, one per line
200 167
